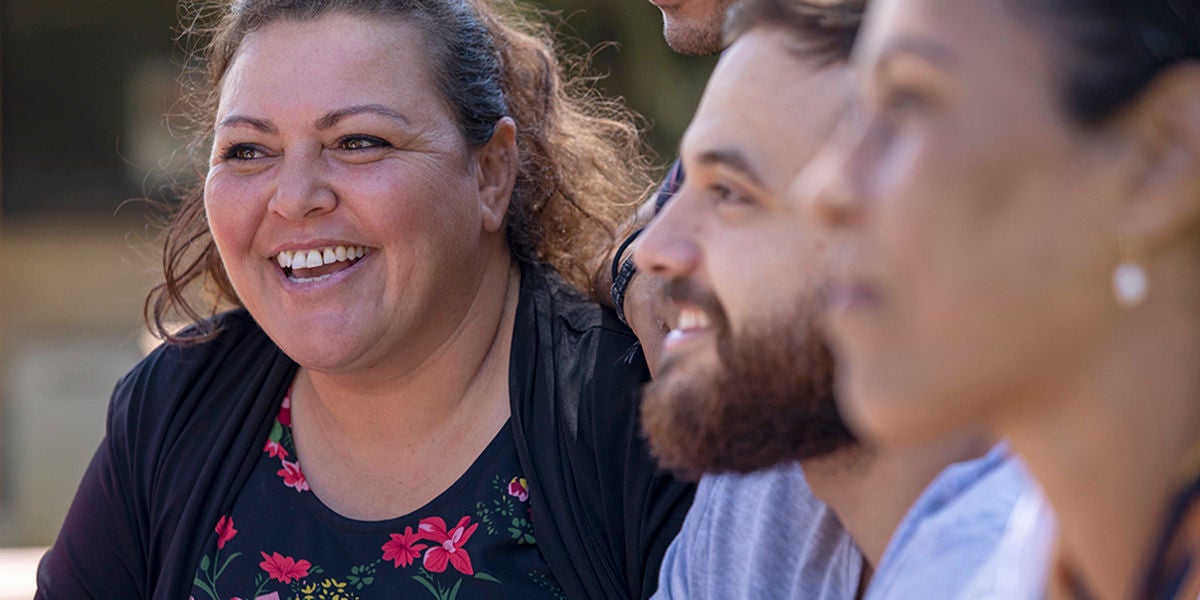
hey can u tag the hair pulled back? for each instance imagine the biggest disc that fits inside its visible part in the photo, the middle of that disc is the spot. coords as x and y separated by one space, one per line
1113 49
582 160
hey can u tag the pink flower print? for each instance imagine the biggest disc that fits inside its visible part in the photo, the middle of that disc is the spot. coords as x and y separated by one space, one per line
402 548
225 531
284 568
275 449
285 410
449 548
271 596
292 476
518 489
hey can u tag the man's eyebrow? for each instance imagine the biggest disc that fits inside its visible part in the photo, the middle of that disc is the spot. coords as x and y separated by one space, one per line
259 124
332 118
732 159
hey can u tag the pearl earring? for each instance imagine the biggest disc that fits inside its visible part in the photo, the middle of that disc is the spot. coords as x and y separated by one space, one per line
1130 282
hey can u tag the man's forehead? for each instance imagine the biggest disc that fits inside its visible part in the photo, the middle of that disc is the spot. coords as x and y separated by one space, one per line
764 100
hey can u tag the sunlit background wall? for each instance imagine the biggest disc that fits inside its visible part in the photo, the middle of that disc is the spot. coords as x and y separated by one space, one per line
85 87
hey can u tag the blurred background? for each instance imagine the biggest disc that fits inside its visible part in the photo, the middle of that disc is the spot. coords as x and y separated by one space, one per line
83 140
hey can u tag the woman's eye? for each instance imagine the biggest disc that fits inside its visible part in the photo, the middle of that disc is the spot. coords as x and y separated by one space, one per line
361 142
241 152
902 102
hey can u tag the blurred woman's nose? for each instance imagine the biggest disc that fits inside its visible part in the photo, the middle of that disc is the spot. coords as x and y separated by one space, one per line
827 189
301 187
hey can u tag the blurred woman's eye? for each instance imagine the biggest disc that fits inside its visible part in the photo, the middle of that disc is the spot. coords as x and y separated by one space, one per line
900 103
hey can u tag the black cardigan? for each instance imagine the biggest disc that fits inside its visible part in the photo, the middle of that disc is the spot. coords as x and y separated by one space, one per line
603 513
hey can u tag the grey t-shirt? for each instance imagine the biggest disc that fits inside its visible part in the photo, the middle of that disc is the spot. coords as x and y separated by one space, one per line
760 536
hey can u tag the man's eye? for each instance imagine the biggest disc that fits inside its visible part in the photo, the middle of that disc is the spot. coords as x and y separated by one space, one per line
726 195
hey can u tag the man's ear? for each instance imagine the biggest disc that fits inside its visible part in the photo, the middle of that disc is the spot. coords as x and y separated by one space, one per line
496 164
1165 201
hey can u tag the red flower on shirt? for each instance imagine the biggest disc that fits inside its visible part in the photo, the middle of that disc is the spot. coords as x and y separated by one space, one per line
275 449
402 549
449 548
285 411
225 531
284 568
518 489
293 477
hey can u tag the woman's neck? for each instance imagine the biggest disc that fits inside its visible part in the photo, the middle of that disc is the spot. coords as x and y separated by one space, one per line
872 488
375 448
467 364
1104 442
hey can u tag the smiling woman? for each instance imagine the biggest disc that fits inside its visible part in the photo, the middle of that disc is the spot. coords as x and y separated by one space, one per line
392 189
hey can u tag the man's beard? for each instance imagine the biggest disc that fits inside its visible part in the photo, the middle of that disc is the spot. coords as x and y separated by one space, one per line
697 34
693 39
769 399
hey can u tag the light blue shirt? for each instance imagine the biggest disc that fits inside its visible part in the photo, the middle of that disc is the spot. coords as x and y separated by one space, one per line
952 533
1020 568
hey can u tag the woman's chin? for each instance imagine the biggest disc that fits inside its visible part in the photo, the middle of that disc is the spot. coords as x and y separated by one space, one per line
874 411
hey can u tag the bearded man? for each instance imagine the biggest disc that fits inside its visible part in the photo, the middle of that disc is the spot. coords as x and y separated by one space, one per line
743 395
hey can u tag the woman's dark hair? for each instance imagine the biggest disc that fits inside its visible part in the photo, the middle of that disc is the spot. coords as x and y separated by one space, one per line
823 31
1113 49
582 160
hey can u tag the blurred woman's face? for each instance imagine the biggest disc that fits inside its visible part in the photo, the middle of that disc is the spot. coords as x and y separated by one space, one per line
341 195
976 221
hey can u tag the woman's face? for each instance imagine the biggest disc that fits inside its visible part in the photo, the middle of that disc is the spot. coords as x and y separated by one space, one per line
976 222
332 142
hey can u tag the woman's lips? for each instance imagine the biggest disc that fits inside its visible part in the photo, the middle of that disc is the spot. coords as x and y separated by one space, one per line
844 296
318 263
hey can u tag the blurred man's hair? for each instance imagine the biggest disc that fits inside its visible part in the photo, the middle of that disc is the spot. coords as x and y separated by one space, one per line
824 30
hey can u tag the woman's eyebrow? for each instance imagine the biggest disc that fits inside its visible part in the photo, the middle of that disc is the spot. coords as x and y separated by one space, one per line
237 120
929 50
332 118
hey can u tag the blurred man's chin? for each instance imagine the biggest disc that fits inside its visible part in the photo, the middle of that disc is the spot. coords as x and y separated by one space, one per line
686 37
768 400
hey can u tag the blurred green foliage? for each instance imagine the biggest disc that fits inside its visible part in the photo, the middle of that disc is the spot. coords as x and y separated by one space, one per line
70 70
626 36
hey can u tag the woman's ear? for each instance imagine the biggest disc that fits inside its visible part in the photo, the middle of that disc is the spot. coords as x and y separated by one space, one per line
496 164
1165 201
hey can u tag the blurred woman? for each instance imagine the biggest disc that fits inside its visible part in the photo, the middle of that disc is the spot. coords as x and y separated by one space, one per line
1019 211
408 400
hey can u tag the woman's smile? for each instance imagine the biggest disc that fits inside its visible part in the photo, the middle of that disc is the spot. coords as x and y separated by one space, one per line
319 263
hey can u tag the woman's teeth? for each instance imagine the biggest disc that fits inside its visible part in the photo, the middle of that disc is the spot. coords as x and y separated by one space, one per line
309 259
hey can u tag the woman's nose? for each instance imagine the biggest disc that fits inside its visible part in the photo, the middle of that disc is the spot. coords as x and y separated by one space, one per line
827 189
302 188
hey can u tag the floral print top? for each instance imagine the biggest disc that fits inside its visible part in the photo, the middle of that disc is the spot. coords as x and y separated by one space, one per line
474 540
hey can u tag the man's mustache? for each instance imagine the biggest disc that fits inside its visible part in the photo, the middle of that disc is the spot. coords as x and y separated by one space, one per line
687 291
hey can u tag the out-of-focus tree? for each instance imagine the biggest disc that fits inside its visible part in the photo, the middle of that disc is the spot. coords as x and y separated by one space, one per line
86 85
628 49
